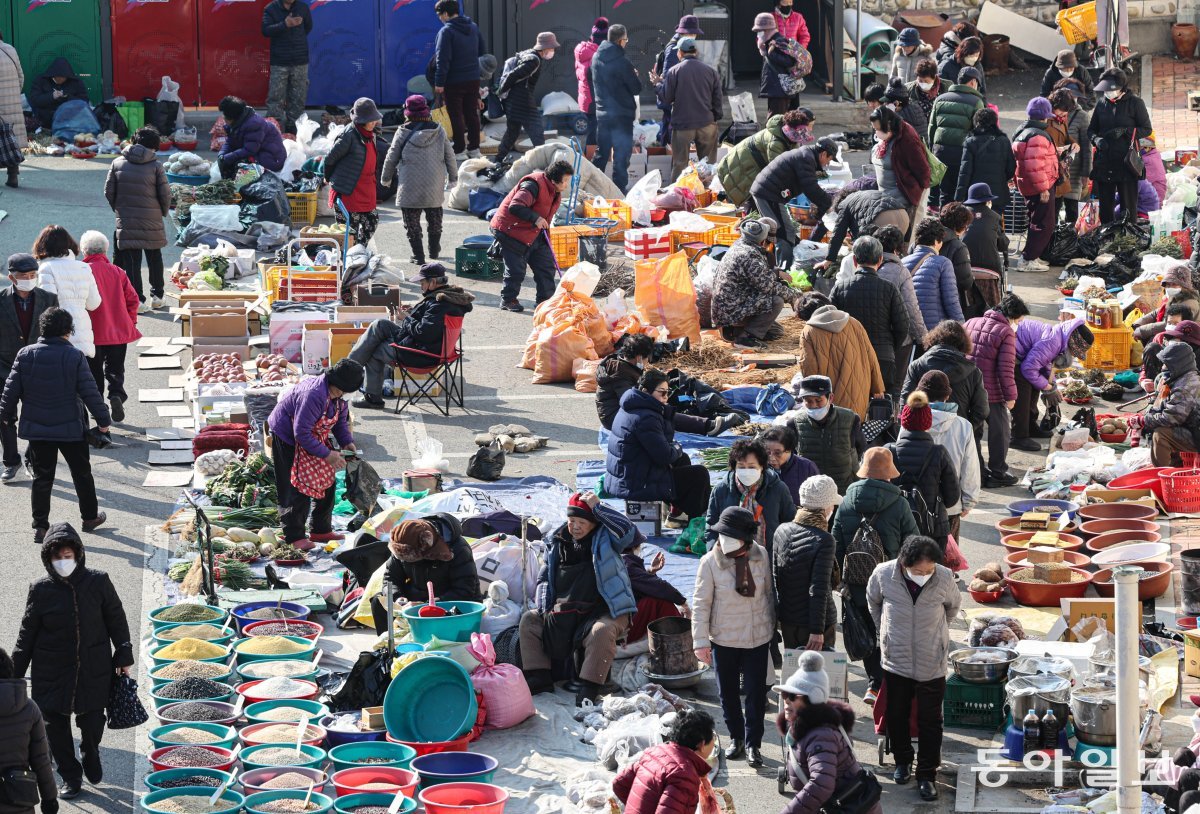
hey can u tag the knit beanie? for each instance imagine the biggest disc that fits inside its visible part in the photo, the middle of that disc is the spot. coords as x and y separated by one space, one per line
600 30
1039 109
416 540
935 384
346 375
755 232
819 492
810 680
916 415
577 507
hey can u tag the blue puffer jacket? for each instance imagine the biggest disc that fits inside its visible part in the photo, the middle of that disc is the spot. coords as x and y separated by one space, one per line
773 496
615 84
52 382
937 291
640 449
253 137
456 52
609 541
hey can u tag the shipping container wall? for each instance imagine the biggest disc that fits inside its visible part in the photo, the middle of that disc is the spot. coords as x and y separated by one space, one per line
46 29
234 55
343 52
409 28
151 40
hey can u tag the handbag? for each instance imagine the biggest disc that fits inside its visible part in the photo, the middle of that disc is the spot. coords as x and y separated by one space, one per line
125 710
441 115
937 168
19 788
10 153
858 630
859 796
1133 158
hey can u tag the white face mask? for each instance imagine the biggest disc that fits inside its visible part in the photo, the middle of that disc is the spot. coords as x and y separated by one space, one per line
1196 724
24 285
1066 73
64 567
748 477
729 544
548 54
971 60
1111 95
818 413
1171 292
925 86
919 579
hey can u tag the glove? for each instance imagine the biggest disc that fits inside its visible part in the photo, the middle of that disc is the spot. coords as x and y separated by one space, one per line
1148 385
1101 143
1051 397
725 422
1136 421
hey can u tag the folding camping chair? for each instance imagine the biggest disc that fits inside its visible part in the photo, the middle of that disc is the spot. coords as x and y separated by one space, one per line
444 369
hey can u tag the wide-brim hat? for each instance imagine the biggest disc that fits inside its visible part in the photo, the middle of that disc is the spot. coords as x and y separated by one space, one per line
909 37
689 24
878 464
737 522
979 193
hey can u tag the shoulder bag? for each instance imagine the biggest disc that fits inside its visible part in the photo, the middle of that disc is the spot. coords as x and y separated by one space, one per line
1133 158
858 796
19 788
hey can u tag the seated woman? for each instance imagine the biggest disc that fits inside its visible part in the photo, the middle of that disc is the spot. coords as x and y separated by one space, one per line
673 776
656 598
1174 416
431 549
643 461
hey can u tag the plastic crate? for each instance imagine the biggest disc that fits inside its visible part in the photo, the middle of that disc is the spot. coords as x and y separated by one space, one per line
1110 350
472 261
304 207
707 237
727 229
564 242
973 706
1078 23
619 212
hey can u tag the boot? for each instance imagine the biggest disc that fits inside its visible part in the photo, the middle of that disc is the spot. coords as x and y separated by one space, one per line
539 681
435 246
589 690
13 172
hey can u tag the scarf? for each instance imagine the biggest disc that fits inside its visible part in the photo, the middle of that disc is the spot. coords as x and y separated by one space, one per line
743 578
708 798
813 518
881 148
798 135
747 501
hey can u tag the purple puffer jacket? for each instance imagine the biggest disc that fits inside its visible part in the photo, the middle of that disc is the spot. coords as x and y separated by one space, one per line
253 137
300 408
1038 343
994 352
816 745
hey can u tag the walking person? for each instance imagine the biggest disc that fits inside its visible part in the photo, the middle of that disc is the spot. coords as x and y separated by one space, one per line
694 92
933 278
61 273
75 639
52 383
913 599
1066 73
925 466
12 80
585 52
352 169
926 88
114 322
521 226
875 303
967 55
985 239
1036 177
137 190
950 122
422 161
23 741
804 554
456 53
994 352
754 485
668 58
516 88
987 158
1118 121
733 622
907 53
287 24
21 306
616 86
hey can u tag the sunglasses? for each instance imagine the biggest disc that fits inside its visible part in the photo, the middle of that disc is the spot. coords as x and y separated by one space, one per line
661 392
787 696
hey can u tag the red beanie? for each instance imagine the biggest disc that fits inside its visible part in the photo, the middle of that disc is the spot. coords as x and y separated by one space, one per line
916 415
577 507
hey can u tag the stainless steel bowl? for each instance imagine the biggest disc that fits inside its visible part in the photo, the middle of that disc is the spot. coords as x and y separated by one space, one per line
983 672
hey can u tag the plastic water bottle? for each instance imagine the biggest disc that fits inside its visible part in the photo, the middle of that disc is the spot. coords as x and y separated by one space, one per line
1049 730
1032 732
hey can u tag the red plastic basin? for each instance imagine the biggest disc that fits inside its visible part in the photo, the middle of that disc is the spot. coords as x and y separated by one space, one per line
1140 479
459 745
460 798
351 781
1112 538
1094 527
1148 588
1039 595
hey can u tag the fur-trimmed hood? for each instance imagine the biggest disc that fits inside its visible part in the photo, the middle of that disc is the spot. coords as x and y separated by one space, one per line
832 714
455 295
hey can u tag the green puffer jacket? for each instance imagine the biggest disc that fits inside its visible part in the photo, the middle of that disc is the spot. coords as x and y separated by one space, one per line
894 521
737 170
950 120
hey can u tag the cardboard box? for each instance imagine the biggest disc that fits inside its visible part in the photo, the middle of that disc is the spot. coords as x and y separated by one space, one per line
362 315
287 332
219 321
1143 497
645 514
342 340
1045 555
314 347
1191 653
647 244
238 345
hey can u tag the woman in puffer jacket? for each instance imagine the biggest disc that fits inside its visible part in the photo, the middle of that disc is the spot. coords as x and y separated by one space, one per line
994 352
1041 347
61 272
804 555
927 466
987 158
672 778
1037 175
585 51
933 275
821 759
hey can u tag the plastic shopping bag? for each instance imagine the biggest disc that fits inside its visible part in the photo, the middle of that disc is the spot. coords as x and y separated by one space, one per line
169 92
664 295
639 198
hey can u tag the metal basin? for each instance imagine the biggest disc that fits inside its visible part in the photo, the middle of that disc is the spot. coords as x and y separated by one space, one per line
1095 712
990 672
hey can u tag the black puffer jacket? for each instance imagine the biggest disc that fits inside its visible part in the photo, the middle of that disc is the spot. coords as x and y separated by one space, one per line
803 561
987 158
614 376
1111 130
51 383
966 382
74 632
289 46
23 743
520 86
456 580
796 171
877 304
927 465
344 164
986 240
948 70
954 250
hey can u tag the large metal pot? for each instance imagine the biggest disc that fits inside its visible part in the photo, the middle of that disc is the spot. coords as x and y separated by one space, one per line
1039 693
1095 712
1043 665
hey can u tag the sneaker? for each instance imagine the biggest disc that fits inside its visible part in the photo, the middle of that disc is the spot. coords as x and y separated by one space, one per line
460 156
1000 481
68 792
38 536
95 523
157 302
368 402
869 698
512 305
1031 266
8 474
474 154
677 521
117 408
1025 445
145 307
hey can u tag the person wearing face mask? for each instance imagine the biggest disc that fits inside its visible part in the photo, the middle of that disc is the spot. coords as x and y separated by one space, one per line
517 84
948 351
672 778
114 322
968 54
22 305
955 434
1066 69
1177 288
952 38
830 436
1037 177
309 417
791 23
779 58
987 158
926 87
898 99
52 384
951 121
1119 120
913 599
753 485
742 164
957 219
876 498
1070 113
933 277
1041 347
75 636
616 87
994 352
1180 326
733 623
926 467
875 303
804 555
908 51
821 762
986 240
1173 419
353 168
249 139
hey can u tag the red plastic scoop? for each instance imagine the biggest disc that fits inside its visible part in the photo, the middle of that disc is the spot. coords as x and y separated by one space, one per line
431 611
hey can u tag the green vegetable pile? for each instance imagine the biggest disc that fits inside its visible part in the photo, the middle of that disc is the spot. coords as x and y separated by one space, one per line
253 517
283 551
218 264
1166 246
715 458
184 197
245 485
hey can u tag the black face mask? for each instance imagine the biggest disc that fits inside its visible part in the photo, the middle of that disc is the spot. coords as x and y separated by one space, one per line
784 10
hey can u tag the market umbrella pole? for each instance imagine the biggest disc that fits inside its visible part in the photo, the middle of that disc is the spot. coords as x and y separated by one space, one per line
1129 609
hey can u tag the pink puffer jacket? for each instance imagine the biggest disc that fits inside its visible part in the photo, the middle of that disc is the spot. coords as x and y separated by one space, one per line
1037 160
994 352
584 52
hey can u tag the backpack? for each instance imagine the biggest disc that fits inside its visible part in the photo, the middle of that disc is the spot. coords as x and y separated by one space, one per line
503 87
802 65
774 400
929 518
863 554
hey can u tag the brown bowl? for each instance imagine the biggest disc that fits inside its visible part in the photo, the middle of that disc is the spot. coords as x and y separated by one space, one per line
1117 511
1093 527
1072 542
1075 559
1112 538
1012 525
1148 588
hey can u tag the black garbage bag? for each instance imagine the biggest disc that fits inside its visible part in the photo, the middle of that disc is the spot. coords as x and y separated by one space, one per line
1064 245
366 683
1119 238
268 196
161 114
109 118
858 631
363 485
487 463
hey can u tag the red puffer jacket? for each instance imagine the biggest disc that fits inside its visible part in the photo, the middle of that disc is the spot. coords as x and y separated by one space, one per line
1037 160
664 780
994 352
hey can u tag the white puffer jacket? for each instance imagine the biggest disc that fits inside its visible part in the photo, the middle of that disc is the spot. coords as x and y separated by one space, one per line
75 286
720 615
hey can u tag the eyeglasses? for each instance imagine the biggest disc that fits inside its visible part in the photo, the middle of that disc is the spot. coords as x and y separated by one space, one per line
662 392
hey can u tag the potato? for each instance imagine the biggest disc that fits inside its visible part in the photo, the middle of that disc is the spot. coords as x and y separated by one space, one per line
978 585
987 575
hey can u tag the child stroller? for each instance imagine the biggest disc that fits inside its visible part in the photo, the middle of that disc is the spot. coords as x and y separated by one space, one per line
878 715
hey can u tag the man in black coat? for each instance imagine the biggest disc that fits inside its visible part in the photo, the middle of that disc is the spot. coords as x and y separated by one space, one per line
57 85
517 83
21 305
985 238
874 302
432 549
287 24
616 87
792 173
421 334
75 635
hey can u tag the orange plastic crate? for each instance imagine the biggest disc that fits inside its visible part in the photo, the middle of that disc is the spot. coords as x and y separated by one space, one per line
564 242
708 238
706 198
727 231
612 209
